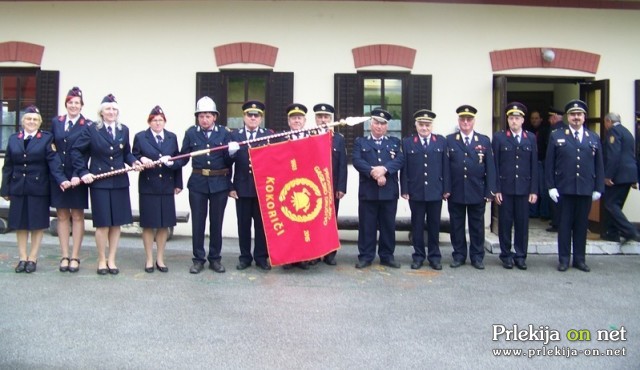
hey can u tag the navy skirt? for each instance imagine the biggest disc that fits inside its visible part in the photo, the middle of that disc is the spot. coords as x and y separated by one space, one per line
111 207
72 198
157 210
28 212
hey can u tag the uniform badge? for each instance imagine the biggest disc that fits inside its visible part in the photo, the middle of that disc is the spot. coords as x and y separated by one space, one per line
612 139
393 154
566 132
457 136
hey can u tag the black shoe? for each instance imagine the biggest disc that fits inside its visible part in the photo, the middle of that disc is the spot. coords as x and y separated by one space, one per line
302 265
30 267
435 265
416 265
217 267
390 263
64 268
196 268
263 266
243 265
363 264
456 263
521 265
582 266
552 229
330 260
507 264
113 271
102 271
314 262
21 265
611 238
149 269
74 269
162 268
563 267
478 265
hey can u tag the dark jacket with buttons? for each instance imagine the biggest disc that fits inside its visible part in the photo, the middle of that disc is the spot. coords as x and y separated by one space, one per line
158 179
194 140
26 171
64 141
619 156
574 168
473 171
425 173
243 182
106 154
516 163
366 155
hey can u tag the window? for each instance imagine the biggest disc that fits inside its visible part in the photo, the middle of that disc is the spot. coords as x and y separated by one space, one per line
21 87
230 89
399 93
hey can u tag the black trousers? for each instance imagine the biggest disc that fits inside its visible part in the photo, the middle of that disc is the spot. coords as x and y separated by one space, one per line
513 213
457 214
616 223
374 215
248 211
215 204
428 212
574 222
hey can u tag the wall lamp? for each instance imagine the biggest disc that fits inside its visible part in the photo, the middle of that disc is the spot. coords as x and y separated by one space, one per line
548 55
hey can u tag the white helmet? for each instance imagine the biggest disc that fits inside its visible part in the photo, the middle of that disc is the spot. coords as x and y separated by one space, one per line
206 104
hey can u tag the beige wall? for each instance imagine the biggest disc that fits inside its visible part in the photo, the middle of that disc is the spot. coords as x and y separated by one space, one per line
147 53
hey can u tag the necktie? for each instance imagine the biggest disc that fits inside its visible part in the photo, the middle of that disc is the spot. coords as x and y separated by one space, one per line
27 140
518 138
252 135
110 131
159 140
466 141
207 133
577 135
69 125
425 142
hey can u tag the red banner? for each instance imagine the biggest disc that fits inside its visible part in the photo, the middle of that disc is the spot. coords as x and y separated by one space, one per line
295 191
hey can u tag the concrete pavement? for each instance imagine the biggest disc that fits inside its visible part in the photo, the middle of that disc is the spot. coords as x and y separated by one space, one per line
323 318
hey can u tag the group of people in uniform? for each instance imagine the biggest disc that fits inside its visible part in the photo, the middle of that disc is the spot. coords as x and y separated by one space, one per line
466 169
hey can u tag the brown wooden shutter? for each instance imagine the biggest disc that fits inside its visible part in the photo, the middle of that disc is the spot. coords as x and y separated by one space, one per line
213 85
348 97
47 96
279 95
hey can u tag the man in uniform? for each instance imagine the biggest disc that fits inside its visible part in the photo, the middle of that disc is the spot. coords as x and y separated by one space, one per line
296 119
324 115
575 177
243 189
516 155
209 183
555 122
619 175
377 158
541 131
472 187
424 182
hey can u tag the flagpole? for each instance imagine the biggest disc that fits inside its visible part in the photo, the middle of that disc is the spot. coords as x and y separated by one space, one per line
349 121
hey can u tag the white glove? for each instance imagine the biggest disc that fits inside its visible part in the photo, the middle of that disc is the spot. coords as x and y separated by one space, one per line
233 147
554 195
595 196
165 160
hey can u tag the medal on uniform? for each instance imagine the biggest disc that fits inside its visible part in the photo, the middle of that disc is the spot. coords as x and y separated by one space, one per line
393 154
121 146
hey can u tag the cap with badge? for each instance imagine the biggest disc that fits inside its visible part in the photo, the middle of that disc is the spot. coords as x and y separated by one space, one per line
466 110
32 109
576 105
295 108
516 109
324 109
424 115
553 111
381 115
109 99
73 93
253 106
156 111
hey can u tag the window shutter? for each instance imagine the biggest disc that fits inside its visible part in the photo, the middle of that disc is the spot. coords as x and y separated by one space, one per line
280 95
348 99
213 85
419 98
47 96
